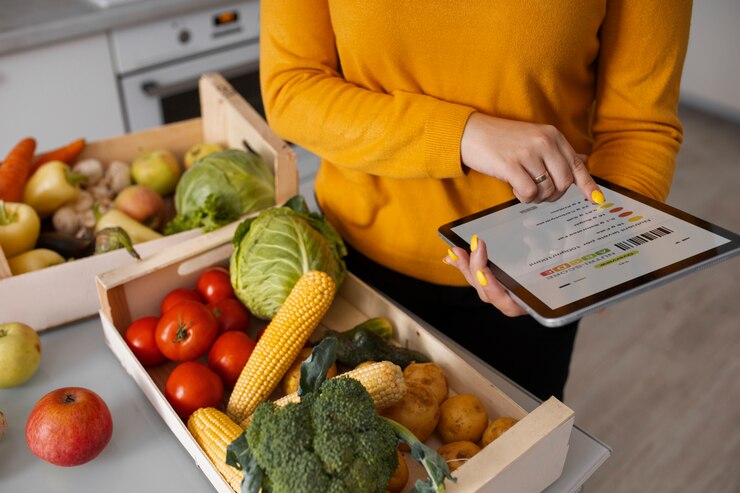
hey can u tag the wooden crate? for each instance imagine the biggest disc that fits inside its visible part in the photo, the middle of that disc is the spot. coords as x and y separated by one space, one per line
64 293
527 458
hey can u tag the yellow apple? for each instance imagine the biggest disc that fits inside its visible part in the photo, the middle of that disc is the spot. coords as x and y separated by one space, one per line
199 151
20 353
158 170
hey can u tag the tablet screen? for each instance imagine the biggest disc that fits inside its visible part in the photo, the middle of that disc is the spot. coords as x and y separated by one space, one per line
565 251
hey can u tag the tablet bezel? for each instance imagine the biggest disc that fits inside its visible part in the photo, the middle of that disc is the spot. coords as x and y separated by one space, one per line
573 311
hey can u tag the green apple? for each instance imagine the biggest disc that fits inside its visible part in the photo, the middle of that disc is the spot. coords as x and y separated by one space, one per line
199 151
20 353
158 170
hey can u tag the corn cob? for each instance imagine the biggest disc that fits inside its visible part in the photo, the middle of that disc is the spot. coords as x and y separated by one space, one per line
214 431
384 382
281 342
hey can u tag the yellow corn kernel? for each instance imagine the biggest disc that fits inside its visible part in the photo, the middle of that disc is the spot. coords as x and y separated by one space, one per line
281 342
214 431
383 381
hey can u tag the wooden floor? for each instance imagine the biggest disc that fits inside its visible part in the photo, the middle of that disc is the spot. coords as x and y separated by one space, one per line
657 377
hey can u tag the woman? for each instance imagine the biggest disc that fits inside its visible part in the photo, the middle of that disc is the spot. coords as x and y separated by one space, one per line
423 112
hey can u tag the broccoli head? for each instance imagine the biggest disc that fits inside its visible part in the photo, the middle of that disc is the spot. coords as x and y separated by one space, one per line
333 440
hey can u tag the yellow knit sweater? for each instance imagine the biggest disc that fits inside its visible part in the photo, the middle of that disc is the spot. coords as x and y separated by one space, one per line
382 89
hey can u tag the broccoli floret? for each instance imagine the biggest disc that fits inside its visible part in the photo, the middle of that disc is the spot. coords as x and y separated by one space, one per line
333 440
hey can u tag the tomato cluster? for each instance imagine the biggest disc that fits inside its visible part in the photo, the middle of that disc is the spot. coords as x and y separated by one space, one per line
204 330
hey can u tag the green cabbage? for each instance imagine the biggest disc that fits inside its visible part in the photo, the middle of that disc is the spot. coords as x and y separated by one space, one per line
220 188
273 250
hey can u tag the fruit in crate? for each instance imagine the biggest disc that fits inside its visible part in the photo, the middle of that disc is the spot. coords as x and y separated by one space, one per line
19 227
69 426
140 339
186 331
192 385
158 170
199 151
143 204
20 353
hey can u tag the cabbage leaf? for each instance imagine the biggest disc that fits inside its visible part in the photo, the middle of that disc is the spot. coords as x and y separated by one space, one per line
220 188
273 250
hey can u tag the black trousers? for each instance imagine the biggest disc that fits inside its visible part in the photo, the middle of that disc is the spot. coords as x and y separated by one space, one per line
534 356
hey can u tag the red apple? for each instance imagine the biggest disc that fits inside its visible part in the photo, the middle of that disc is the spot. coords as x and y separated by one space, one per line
143 204
69 426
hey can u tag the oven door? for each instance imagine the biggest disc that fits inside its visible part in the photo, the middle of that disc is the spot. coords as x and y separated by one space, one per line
168 93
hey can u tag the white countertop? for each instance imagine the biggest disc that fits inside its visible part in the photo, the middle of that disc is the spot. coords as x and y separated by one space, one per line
30 23
143 455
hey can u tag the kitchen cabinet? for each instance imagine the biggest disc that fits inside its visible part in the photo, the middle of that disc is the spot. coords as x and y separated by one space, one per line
58 93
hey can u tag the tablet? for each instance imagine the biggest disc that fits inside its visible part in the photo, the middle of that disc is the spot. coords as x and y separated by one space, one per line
562 260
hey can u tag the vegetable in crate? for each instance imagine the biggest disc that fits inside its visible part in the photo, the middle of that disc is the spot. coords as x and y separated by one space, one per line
281 342
51 186
364 343
36 259
15 170
273 250
19 228
220 188
68 153
331 440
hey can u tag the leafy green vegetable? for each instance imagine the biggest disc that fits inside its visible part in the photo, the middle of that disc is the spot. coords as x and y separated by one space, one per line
332 440
239 455
314 369
220 188
273 250
363 343
435 465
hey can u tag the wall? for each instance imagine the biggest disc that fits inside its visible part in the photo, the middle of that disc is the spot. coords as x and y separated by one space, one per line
711 78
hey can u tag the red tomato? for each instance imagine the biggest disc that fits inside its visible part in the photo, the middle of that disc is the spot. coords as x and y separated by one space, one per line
190 386
230 314
186 331
140 338
176 296
214 285
229 354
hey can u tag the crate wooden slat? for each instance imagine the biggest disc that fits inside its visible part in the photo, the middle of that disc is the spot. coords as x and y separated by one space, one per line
67 292
527 458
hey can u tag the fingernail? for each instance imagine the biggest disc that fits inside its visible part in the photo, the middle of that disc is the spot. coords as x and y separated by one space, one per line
481 278
474 243
452 255
597 196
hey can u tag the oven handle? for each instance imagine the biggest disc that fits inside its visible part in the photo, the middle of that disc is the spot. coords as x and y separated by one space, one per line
155 90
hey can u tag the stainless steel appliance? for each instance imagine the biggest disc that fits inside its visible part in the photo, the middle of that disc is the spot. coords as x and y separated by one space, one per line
158 64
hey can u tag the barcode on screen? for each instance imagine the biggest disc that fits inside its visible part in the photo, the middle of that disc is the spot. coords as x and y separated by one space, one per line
643 238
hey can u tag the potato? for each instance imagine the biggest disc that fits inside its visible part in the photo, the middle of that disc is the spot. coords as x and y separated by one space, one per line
457 453
400 476
462 417
428 375
495 429
292 378
418 411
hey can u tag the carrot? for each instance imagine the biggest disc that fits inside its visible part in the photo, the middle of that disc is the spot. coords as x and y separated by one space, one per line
16 169
66 154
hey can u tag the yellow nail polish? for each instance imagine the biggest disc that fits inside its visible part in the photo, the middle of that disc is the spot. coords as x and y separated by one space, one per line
452 255
474 243
481 278
597 196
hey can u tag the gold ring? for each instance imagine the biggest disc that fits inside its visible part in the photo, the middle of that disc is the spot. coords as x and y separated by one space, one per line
544 176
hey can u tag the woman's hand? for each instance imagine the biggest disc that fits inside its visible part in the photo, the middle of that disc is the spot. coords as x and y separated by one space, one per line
475 269
535 159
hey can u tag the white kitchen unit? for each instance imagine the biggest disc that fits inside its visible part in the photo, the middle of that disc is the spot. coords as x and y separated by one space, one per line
57 93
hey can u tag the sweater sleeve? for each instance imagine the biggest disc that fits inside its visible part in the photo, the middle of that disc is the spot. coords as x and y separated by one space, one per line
308 102
636 129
